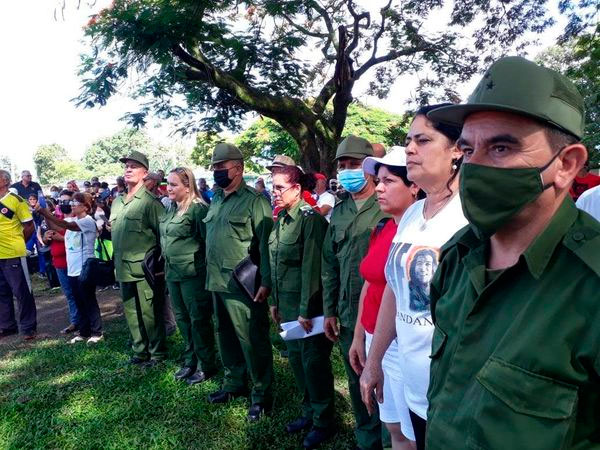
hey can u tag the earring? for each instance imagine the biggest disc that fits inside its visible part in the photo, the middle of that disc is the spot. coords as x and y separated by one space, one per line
454 166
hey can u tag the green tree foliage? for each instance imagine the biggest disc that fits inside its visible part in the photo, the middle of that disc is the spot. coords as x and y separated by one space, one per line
102 157
265 138
207 64
578 57
69 169
45 159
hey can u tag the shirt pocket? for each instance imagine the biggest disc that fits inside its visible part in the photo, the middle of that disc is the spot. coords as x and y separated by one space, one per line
521 409
133 222
183 266
239 228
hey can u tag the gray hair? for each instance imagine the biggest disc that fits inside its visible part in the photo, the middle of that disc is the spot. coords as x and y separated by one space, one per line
5 174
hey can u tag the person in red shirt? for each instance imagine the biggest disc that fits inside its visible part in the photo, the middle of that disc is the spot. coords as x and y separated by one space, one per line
56 241
395 193
583 181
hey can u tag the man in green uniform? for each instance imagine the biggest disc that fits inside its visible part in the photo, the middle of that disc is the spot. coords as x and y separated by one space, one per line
515 298
238 224
346 243
134 221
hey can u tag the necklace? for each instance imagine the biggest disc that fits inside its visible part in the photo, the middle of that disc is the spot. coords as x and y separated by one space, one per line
436 211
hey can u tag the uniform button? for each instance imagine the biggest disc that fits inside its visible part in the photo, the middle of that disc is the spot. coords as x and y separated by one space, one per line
578 236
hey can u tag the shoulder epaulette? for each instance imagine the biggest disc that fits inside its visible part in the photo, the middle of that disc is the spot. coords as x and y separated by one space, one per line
455 239
253 191
584 240
17 196
307 210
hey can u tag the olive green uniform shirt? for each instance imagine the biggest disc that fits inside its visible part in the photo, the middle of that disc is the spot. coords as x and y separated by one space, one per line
134 231
295 245
236 224
182 239
516 357
344 247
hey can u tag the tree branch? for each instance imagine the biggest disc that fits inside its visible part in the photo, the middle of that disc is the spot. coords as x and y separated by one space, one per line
305 30
324 96
394 54
356 27
381 28
274 107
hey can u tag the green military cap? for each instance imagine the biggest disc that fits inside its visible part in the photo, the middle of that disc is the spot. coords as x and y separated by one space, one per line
225 152
516 85
354 147
137 157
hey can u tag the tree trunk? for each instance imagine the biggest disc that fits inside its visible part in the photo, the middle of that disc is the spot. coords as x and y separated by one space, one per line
317 152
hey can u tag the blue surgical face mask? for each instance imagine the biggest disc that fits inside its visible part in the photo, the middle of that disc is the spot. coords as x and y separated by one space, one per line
353 180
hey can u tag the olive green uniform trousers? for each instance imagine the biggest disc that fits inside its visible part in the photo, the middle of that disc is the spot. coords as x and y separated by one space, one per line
309 360
242 329
193 307
143 309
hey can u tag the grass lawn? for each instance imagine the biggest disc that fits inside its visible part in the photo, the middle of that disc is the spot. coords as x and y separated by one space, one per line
60 396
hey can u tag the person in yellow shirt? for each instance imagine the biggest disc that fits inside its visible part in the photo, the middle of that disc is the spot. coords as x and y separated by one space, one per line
16 227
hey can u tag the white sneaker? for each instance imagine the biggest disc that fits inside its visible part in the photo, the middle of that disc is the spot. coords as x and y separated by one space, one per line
76 339
95 339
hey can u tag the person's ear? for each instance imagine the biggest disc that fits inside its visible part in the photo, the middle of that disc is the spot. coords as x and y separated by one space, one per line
456 153
571 160
414 190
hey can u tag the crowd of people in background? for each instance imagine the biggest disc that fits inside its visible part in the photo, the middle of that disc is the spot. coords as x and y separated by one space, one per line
455 272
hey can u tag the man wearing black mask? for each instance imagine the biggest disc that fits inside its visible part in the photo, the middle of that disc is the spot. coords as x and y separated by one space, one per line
239 223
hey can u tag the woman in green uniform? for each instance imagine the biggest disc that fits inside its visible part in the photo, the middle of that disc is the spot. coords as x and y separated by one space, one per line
295 251
182 238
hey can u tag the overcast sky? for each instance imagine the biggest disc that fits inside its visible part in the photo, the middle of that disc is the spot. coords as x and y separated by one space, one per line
39 77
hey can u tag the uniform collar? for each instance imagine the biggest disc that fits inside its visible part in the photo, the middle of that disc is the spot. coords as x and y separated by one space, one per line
541 249
539 252
237 190
368 203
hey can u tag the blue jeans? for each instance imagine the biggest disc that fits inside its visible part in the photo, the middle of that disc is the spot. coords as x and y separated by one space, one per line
63 278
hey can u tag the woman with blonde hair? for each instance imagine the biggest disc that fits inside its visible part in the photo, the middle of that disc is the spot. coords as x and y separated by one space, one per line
182 239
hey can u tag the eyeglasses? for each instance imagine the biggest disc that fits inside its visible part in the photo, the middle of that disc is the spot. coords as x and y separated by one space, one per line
75 203
281 189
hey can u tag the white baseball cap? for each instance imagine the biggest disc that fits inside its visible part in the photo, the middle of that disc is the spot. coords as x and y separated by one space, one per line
395 157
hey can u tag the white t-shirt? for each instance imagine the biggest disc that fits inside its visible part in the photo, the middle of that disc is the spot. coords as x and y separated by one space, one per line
326 199
80 244
412 261
589 202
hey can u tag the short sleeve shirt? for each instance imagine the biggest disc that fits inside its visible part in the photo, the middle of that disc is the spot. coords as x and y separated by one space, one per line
14 212
412 262
589 202
80 244
372 269
326 199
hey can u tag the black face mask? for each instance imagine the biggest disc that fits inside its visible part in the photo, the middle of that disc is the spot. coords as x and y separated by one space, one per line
221 177
65 209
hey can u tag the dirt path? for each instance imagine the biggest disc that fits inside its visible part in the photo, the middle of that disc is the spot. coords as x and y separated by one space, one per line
53 313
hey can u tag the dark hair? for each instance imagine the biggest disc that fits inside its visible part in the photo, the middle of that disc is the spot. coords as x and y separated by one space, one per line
419 300
452 133
66 192
308 182
396 170
559 139
86 199
402 173
293 173
104 185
